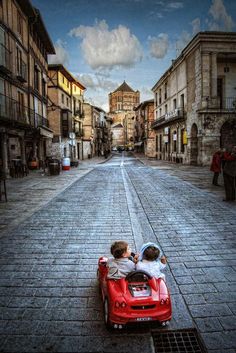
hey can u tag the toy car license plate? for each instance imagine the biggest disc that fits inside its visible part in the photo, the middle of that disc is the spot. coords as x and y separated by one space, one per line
143 319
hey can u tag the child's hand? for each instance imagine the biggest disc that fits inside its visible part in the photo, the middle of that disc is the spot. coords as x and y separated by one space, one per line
164 260
136 258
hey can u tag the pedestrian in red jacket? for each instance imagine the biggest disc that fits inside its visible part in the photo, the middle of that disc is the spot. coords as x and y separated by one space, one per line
216 166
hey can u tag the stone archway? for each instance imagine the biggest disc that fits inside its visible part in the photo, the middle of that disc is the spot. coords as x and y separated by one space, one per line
194 145
228 134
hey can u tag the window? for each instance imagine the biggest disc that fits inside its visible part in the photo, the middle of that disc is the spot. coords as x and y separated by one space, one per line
18 60
182 101
43 87
160 96
174 103
157 143
166 90
67 101
160 143
62 98
20 104
19 24
160 112
36 77
165 108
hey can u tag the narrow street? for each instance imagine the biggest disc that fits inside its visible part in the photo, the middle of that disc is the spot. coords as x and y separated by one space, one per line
48 287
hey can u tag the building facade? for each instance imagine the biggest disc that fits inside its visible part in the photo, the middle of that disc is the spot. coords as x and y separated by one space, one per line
144 136
24 46
97 132
65 113
195 100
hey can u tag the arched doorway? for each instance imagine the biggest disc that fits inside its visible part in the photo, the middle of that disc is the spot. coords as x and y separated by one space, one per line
228 134
194 145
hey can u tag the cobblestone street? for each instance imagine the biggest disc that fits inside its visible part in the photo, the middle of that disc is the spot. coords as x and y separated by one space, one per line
48 287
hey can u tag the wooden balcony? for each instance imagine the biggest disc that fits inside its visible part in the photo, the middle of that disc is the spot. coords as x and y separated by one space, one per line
12 111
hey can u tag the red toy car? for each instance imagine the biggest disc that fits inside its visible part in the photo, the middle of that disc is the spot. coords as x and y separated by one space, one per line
136 298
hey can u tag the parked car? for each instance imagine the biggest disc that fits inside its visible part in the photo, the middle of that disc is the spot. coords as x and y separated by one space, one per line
114 148
136 298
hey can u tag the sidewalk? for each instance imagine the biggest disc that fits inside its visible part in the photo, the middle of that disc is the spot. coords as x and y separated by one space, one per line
28 194
199 176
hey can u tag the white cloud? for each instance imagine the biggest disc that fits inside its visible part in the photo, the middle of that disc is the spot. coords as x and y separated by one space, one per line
159 45
183 40
61 57
175 5
97 82
106 49
221 19
196 23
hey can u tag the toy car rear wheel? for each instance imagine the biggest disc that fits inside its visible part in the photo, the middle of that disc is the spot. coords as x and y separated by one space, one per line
107 314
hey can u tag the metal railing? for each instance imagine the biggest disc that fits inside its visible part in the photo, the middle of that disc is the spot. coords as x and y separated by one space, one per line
5 59
174 114
227 103
12 110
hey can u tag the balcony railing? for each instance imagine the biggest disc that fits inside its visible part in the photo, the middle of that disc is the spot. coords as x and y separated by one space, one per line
227 103
12 110
21 71
172 115
5 60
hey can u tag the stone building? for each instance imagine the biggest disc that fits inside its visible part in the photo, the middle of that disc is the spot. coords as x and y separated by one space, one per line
121 104
24 45
65 113
117 134
124 98
195 100
97 132
144 135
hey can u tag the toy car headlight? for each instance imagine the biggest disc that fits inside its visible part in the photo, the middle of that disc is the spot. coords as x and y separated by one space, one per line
120 304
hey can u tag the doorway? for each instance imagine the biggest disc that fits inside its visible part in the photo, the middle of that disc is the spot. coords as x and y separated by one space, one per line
228 134
194 145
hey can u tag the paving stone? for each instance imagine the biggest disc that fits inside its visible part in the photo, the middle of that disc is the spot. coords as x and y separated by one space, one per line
209 324
208 310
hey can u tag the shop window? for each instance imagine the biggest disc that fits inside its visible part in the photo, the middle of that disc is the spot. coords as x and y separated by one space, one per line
174 141
160 143
182 140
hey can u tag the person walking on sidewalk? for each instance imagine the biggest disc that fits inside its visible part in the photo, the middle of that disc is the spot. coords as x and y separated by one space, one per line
216 166
229 174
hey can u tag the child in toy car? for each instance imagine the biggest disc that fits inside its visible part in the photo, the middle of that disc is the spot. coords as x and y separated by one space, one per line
132 297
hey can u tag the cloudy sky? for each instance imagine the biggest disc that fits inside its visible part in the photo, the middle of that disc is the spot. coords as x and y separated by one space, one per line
104 42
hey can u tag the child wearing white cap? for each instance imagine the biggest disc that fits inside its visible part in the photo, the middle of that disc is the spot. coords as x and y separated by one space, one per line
150 262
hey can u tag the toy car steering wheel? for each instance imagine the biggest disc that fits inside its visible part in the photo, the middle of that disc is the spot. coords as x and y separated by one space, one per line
133 274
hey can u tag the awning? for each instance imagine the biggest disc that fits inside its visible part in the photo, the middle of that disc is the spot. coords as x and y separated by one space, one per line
46 132
138 143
